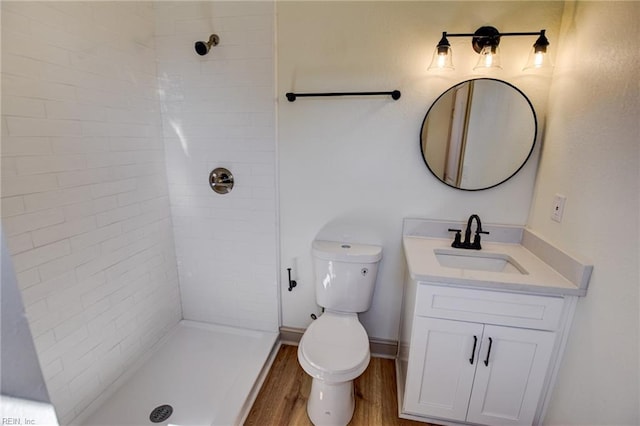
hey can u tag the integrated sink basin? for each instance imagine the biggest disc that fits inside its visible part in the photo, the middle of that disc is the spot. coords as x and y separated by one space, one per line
478 261
511 259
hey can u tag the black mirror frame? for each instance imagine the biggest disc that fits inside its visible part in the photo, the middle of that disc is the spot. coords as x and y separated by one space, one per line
533 144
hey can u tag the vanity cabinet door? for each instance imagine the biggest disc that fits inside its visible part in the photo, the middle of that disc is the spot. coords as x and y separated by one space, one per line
507 388
440 372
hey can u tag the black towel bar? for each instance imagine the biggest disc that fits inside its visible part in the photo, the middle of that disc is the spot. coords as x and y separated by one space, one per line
395 95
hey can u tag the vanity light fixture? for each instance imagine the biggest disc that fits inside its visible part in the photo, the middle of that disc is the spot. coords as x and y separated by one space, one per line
485 41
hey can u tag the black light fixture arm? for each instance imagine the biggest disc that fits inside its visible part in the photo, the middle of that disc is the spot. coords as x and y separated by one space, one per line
534 33
490 36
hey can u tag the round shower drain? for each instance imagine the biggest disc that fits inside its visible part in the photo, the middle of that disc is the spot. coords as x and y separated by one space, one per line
161 413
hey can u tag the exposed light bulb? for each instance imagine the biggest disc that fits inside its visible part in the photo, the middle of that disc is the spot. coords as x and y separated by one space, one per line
442 60
538 60
442 56
489 58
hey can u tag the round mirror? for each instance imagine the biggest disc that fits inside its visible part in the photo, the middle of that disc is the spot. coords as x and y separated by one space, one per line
478 134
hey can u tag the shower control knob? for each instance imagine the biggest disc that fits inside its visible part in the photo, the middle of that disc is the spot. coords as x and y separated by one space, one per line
221 180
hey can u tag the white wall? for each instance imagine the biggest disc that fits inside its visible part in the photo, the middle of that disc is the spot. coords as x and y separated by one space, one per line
218 110
84 195
592 155
350 168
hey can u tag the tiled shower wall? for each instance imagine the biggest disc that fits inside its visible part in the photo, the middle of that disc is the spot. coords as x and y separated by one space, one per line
218 110
85 203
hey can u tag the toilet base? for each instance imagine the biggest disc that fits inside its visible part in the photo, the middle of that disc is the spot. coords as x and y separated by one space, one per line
330 404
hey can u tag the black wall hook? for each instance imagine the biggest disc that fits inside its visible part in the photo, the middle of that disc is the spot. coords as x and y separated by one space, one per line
292 283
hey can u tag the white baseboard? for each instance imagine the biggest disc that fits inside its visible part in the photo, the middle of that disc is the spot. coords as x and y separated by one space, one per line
380 348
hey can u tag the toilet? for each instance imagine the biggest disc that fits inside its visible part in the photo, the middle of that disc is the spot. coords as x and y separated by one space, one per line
334 349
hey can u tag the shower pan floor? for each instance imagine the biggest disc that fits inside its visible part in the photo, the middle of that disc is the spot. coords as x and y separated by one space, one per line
204 372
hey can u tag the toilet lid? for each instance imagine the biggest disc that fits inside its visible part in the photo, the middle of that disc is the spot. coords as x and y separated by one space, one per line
336 343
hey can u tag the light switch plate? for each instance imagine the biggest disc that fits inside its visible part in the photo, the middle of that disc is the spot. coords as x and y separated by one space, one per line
557 208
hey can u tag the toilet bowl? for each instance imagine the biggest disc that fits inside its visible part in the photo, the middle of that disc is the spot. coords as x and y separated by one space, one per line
333 351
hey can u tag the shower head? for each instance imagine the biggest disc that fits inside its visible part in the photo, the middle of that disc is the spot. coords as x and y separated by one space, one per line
202 47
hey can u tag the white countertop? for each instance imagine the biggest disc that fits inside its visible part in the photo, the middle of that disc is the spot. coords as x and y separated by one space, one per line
540 278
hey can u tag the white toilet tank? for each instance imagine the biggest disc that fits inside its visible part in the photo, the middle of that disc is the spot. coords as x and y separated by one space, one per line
345 274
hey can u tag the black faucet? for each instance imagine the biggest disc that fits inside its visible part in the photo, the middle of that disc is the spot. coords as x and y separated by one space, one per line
467 244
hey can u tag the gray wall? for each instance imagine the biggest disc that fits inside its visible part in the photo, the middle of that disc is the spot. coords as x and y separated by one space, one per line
21 374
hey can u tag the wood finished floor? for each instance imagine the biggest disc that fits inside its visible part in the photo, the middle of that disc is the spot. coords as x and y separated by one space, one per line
282 400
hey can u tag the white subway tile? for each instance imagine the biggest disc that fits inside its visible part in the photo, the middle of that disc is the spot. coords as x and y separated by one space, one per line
61 36
19 243
77 145
52 199
117 215
52 369
28 278
89 208
20 66
74 111
28 222
83 384
110 188
8 166
62 74
144 191
99 295
123 240
19 44
19 126
102 263
74 359
12 206
96 129
137 222
44 13
84 177
50 164
100 96
22 146
21 185
62 399
36 310
134 144
95 236
42 289
93 310
77 10
63 264
108 159
112 365
29 88
120 272
15 23
62 231
69 326
76 364
21 107
63 300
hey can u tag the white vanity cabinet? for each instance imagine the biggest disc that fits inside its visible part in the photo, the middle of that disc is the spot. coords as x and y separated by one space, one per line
482 331
479 356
